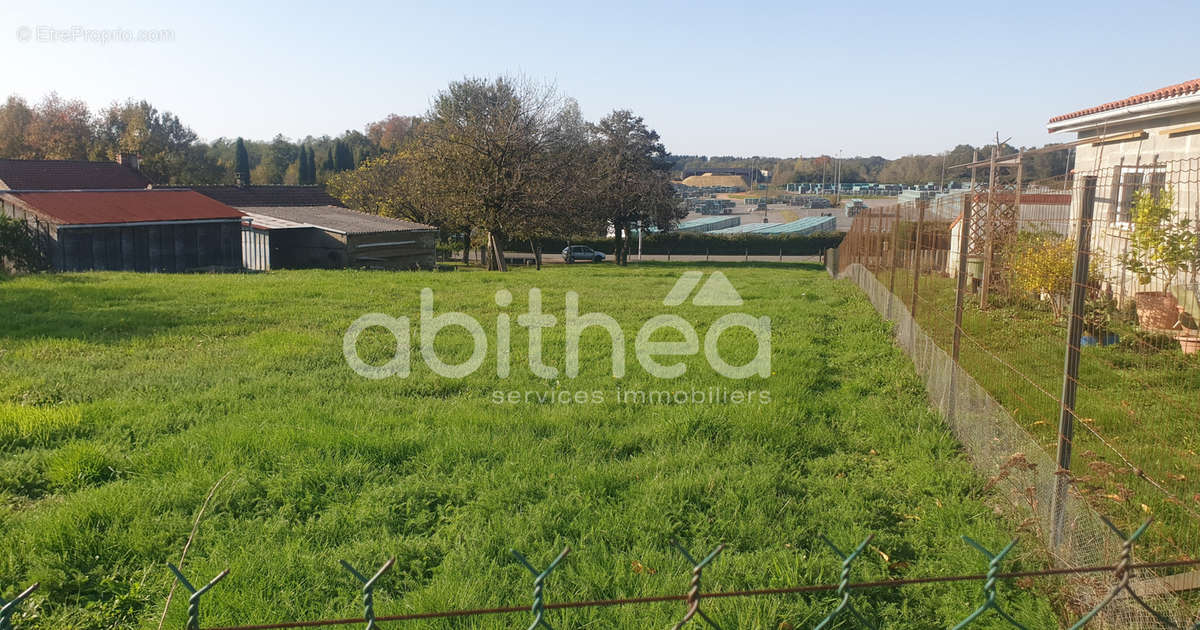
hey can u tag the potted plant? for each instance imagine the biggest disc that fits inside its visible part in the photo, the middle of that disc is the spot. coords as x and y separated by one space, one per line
1162 245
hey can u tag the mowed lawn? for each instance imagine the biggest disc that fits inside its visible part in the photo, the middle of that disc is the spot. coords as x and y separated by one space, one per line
125 397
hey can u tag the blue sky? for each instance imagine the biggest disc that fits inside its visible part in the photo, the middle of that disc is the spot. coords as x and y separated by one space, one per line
779 78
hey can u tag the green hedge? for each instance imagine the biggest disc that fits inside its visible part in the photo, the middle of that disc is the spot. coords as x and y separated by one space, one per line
697 243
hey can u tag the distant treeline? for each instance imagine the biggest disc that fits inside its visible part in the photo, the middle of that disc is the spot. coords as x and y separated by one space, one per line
62 129
171 153
910 169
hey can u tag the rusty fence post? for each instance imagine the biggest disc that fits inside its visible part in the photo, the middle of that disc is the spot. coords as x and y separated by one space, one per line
921 205
1070 382
960 294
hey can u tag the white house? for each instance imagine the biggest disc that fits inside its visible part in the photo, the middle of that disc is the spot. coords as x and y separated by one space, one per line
1146 142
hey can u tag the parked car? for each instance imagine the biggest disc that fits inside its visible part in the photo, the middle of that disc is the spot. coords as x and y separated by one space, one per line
581 252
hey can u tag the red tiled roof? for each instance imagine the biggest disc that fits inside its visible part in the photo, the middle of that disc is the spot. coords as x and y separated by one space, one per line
68 175
1179 89
265 196
91 207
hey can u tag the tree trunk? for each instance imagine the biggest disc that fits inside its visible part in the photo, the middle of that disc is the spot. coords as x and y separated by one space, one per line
618 242
536 248
496 252
625 246
467 249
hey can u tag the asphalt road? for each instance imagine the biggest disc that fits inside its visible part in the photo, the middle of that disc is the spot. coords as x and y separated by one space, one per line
548 259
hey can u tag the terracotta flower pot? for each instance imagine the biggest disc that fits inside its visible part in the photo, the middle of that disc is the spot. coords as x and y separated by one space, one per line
1190 344
1157 310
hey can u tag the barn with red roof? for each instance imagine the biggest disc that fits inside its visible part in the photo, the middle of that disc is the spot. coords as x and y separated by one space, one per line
130 230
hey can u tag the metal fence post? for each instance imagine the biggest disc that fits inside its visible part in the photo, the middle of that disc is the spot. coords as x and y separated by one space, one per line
960 294
921 205
895 261
1066 418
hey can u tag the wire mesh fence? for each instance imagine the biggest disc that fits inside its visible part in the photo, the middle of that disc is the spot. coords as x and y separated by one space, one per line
1055 328
1120 601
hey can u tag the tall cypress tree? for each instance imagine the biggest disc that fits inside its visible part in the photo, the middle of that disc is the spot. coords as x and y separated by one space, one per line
302 171
328 165
312 167
343 159
241 165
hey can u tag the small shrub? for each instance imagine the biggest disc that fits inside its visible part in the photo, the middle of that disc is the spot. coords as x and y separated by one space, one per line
1098 314
1042 263
80 465
1146 341
18 246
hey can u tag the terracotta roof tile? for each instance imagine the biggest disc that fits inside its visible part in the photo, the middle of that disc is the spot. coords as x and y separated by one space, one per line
1179 89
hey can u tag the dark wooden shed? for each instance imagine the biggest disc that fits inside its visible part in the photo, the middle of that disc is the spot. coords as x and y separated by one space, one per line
130 230
334 237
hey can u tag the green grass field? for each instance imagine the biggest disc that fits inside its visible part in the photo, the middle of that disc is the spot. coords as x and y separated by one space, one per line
1141 400
125 397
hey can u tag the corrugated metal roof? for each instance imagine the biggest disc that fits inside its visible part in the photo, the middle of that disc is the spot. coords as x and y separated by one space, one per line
806 225
339 219
68 175
266 222
124 206
746 228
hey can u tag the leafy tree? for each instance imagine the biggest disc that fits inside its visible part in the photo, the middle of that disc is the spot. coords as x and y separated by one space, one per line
60 130
486 156
391 132
343 158
302 166
15 119
389 186
1163 243
165 145
632 183
241 167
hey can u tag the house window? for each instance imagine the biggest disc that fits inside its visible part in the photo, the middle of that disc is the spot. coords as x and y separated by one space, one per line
1131 179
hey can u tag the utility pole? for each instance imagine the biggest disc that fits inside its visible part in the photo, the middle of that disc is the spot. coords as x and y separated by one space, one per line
942 183
641 228
837 179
